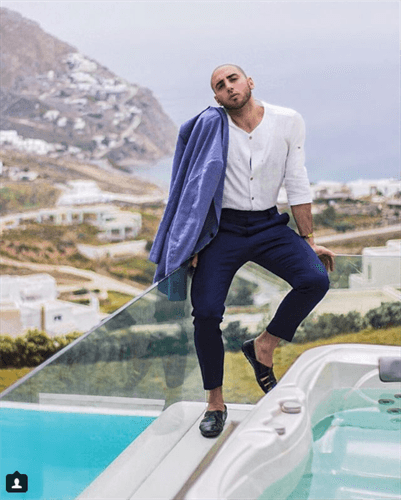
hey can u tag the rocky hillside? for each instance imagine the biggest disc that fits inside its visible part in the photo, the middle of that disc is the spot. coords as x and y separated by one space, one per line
58 102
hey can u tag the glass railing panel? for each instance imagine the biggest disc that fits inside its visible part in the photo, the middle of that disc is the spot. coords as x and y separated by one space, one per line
355 276
144 353
143 358
363 300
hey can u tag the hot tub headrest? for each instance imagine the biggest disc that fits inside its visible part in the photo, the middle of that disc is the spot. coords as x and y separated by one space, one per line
390 369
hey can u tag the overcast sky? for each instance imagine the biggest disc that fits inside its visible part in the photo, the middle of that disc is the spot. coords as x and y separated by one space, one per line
338 63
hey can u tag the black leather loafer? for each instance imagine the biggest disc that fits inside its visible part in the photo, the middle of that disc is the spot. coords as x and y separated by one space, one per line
264 374
213 422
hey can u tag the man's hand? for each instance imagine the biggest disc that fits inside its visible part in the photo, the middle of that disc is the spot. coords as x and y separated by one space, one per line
194 261
303 217
325 255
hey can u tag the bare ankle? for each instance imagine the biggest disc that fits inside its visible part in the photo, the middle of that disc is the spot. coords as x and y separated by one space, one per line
267 338
215 400
265 344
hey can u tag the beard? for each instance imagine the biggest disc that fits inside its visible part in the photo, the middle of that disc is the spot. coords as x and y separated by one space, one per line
240 103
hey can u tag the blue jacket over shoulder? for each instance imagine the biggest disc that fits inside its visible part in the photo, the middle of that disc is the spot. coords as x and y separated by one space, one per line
193 210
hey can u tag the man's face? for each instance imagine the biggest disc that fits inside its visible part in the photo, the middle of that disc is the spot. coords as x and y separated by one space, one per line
232 89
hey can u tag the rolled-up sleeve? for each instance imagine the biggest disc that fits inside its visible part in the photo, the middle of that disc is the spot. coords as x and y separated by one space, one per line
296 179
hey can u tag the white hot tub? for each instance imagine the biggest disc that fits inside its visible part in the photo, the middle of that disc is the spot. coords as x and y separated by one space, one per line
330 425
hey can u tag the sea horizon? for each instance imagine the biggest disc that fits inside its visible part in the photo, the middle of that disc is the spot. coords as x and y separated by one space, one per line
159 173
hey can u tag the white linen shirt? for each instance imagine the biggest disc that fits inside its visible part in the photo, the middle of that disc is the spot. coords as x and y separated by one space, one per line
259 162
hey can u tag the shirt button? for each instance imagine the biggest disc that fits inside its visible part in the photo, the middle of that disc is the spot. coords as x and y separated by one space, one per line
252 198
251 178
250 137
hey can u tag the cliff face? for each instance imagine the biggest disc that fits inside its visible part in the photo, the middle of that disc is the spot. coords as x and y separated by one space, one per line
59 102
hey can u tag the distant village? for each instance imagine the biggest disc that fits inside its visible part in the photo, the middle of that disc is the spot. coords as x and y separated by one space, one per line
369 196
31 301
68 90
86 113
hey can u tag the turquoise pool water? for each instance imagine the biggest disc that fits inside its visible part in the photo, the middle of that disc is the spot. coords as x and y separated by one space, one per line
61 452
356 452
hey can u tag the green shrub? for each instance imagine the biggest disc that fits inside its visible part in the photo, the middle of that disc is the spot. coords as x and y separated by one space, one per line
342 227
388 314
31 349
35 347
240 293
78 258
235 336
7 351
327 218
166 345
329 324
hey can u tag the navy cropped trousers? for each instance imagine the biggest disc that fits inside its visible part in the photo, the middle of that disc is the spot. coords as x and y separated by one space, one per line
262 237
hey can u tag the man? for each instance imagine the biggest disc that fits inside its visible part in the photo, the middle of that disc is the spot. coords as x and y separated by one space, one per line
236 160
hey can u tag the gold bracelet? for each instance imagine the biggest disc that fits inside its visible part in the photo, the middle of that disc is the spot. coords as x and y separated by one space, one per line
307 236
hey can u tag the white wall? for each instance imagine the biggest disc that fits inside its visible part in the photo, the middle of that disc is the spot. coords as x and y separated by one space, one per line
24 297
381 266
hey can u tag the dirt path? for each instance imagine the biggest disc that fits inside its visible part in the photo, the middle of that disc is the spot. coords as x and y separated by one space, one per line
352 235
84 277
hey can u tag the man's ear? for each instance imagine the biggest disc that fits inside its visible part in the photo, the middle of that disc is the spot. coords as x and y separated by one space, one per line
251 83
217 100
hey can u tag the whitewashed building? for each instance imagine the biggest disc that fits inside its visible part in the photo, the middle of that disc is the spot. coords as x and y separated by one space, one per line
80 192
113 224
381 267
16 174
333 190
113 250
29 145
371 187
28 302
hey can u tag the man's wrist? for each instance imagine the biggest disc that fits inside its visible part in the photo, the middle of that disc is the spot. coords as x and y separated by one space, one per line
309 238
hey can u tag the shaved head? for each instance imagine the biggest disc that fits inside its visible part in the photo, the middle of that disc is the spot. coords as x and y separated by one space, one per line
238 68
